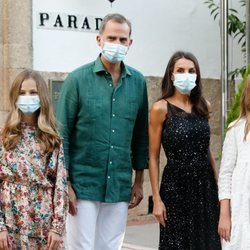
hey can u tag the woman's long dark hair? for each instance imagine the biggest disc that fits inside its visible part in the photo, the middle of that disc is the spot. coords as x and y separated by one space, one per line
199 103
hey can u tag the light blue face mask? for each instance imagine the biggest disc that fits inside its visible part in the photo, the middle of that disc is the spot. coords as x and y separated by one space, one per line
114 52
185 82
28 104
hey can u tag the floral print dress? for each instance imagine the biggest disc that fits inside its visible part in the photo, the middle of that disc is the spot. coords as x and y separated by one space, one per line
33 192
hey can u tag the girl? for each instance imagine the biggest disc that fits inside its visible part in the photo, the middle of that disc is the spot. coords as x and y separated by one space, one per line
33 184
186 205
234 180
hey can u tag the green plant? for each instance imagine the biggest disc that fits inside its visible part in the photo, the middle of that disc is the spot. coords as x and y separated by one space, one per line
236 28
235 108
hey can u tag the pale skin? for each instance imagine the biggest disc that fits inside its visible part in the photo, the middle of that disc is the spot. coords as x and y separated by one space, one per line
114 33
29 88
158 114
224 227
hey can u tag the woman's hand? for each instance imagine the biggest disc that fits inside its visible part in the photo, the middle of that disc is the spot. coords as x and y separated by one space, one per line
4 240
54 240
72 200
159 212
224 228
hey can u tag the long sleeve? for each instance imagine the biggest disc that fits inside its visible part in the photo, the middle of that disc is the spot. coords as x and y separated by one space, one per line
66 113
229 157
60 195
140 136
2 223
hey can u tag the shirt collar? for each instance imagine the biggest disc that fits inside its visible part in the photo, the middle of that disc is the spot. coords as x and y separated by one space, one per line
99 67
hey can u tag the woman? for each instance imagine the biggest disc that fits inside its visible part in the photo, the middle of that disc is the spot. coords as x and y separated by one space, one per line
186 205
33 184
234 180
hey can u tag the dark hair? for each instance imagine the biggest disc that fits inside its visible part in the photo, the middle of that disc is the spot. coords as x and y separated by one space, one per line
200 107
115 17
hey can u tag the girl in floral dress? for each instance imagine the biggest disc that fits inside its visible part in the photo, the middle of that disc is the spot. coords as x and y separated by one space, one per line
33 183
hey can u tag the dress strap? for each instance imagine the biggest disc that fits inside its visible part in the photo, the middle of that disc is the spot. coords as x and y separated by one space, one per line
169 108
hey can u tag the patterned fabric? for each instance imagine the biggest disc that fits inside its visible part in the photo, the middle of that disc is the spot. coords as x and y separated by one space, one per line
188 188
234 184
33 192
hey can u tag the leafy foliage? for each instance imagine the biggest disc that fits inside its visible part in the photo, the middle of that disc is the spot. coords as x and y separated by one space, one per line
236 28
235 108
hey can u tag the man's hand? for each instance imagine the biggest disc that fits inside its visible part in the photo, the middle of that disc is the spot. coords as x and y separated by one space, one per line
4 240
136 195
54 240
137 189
72 200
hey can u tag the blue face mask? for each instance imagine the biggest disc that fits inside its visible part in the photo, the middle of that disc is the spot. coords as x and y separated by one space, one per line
114 52
185 82
28 104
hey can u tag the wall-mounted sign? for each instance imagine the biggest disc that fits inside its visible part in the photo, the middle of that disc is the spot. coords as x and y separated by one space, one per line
63 21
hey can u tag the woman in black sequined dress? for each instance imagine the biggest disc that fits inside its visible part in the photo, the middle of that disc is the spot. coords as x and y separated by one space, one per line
186 204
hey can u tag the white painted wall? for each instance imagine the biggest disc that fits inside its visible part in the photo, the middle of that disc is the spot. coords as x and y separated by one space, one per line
160 27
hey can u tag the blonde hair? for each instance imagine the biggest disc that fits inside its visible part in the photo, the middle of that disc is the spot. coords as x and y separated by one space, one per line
244 107
47 134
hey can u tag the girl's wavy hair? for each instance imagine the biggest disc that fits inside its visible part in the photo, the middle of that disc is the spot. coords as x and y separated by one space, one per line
47 134
200 107
245 107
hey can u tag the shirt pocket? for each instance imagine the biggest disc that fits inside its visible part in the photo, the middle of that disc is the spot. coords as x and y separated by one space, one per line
93 107
131 109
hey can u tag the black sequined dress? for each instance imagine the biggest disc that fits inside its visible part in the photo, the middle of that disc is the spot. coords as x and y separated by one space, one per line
188 188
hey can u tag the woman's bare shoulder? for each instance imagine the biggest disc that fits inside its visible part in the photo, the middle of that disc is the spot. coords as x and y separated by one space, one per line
159 109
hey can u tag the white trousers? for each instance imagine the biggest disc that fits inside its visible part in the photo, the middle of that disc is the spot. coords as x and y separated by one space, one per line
97 226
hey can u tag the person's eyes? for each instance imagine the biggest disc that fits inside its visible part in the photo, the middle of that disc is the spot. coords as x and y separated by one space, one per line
181 71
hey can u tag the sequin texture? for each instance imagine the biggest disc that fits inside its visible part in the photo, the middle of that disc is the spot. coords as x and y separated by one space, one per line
188 188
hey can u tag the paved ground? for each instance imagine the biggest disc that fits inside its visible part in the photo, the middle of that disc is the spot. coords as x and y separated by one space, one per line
142 237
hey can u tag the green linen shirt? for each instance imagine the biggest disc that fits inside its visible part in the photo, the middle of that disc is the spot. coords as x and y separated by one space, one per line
105 131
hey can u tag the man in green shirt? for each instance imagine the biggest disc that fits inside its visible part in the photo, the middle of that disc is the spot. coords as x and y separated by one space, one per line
103 112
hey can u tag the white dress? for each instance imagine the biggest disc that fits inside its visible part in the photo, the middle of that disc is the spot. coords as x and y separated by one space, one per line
234 184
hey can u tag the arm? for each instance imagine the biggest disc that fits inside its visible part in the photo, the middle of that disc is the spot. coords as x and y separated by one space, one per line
60 199
2 166
4 238
66 113
157 117
212 161
229 156
140 150
210 155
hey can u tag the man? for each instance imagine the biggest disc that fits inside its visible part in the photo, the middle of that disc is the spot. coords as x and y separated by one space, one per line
103 110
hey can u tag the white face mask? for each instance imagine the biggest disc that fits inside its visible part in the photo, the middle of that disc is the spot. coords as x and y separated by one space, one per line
185 82
28 104
114 52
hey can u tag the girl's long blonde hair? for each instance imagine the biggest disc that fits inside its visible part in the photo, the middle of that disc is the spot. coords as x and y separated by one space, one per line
245 107
47 134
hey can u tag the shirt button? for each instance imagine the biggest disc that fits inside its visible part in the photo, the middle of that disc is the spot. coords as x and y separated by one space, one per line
112 146
113 130
113 99
110 162
108 177
110 85
113 115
